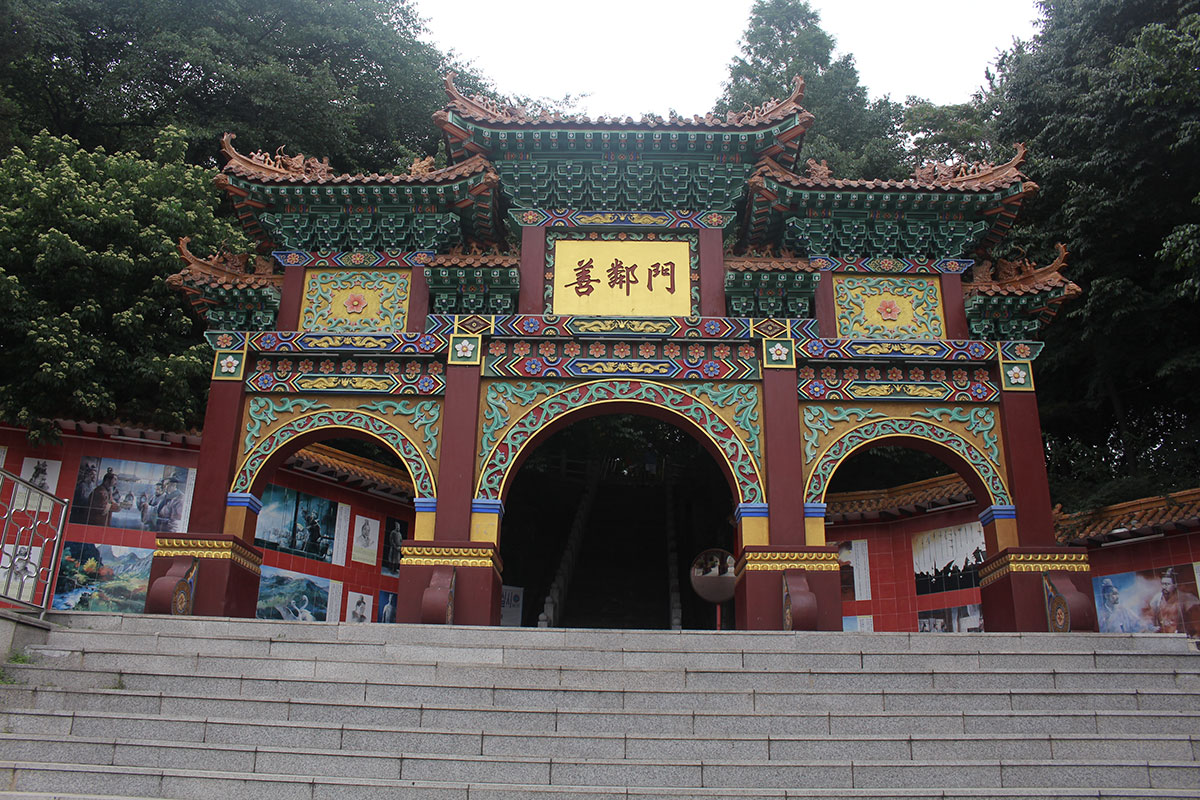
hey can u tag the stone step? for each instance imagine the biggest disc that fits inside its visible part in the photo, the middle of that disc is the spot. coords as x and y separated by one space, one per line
545 770
835 721
466 686
1168 671
73 782
561 639
758 746
167 650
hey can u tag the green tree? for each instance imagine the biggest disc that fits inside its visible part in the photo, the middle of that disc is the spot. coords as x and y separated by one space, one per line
950 133
88 327
1107 97
349 79
784 38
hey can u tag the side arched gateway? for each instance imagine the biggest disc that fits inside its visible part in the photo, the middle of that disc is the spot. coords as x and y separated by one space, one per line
261 450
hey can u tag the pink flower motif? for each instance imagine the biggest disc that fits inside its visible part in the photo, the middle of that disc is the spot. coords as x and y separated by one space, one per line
895 374
829 374
497 348
283 365
327 366
916 374
671 350
435 368
306 366
721 351
960 376
981 375
412 369
937 374
546 349
224 340
348 366
355 303
888 310
1022 350
520 349
391 367
597 350
571 349
872 374
645 350
746 351
369 368
806 374
850 374
696 351
621 350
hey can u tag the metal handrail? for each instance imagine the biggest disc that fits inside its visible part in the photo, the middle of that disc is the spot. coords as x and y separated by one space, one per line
31 540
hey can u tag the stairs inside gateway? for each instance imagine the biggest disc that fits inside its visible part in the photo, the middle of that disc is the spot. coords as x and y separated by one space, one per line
134 706
621 578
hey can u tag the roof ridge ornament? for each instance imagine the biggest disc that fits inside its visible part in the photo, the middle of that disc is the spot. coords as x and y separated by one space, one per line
485 109
278 165
961 172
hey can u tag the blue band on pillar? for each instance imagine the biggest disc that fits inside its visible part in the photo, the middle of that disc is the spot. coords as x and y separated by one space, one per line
993 513
815 509
482 506
245 500
750 510
425 503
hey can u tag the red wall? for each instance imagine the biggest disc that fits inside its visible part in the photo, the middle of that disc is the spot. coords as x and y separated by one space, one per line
894 601
354 576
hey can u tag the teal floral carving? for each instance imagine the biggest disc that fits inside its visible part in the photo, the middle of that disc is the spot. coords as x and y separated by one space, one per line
875 431
853 294
508 446
495 412
979 421
744 398
320 314
264 411
819 421
424 416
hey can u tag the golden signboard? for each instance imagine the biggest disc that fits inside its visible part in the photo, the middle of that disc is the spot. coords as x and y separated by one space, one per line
594 278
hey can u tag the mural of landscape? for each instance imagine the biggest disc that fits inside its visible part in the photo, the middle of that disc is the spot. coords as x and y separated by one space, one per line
283 594
101 577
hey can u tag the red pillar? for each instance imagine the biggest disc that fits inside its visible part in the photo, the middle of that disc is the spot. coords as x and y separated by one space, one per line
1027 480
785 467
826 309
530 300
418 300
456 473
218 457
712 272
288 318
953 305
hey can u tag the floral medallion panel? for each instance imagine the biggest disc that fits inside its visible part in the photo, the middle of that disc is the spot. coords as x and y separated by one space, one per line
889 307
349 300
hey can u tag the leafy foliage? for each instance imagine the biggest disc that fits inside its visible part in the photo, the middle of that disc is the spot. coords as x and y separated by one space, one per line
784 39
89 328
353 78
1108 98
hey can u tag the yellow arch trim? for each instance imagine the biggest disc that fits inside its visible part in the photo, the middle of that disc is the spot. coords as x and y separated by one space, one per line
574 387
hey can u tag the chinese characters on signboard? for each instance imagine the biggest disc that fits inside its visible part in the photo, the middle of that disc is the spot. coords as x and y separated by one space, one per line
622 278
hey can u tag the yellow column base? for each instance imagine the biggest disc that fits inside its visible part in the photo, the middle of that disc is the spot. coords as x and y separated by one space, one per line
485 527
756 531
814 531
423 526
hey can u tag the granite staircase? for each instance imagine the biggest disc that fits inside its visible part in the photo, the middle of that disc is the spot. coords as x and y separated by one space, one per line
134 706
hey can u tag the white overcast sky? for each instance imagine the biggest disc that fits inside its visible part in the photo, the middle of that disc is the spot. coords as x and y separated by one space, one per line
637 56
